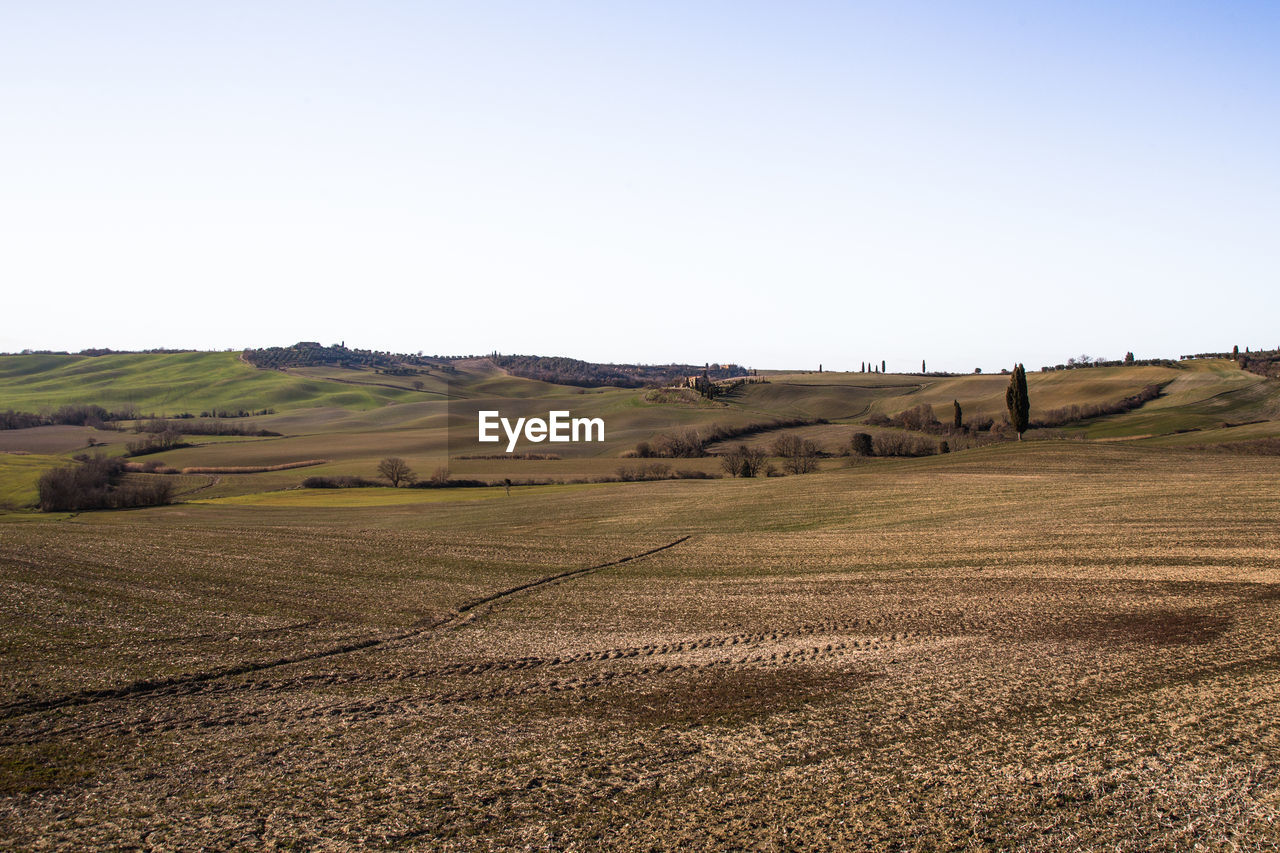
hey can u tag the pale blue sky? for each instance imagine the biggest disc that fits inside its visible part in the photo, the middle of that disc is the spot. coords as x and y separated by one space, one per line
777 184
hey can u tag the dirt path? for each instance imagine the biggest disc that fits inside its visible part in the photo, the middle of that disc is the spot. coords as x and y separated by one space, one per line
213 481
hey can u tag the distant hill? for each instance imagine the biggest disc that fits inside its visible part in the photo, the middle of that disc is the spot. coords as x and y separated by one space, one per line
312 354
173 382
586 374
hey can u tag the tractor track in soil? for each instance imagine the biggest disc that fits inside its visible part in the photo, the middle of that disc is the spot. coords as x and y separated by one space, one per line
461 614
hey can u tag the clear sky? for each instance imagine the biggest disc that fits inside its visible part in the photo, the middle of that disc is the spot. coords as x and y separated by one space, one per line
776 184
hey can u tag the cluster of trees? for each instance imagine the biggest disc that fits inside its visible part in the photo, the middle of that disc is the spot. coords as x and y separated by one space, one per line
711 388
586 374
1235 354
96 351
798 455
872 367
99 482
183 426
894 444
101 418
397 472
1083 361
72 415
312 354
228 413
744 461
156 442
922 418
901 444
1262 363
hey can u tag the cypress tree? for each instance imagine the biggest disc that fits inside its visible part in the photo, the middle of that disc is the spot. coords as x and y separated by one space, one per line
882 365
1015 397
956 405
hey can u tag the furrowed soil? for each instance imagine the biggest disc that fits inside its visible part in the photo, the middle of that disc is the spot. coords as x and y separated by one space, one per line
1045 646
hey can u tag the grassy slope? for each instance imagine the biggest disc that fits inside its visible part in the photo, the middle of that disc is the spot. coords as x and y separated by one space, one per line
18 476
173 383
855 395
356 421
1206 395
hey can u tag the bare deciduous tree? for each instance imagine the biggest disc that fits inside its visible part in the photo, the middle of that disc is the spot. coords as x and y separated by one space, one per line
396 470
799 456
743 461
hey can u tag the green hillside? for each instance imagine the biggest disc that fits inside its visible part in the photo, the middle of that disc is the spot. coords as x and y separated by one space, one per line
172 383
18 476
352 417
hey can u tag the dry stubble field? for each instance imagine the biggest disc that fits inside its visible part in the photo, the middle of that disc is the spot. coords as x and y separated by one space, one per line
1049 646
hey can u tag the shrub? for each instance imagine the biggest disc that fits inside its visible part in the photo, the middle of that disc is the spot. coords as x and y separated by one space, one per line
451 483
919 417
860 445
981 424
694 475
650 471
338 482
900 444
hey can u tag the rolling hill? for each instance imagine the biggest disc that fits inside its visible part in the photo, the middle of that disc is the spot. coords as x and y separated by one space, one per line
353 416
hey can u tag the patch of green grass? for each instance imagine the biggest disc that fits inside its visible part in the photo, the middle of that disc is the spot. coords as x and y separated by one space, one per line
1205 395
169 383
19 475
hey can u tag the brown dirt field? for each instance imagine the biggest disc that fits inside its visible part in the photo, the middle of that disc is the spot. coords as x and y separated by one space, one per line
1047 647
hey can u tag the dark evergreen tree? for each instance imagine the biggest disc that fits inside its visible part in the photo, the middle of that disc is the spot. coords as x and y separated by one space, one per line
956 422
1017 401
